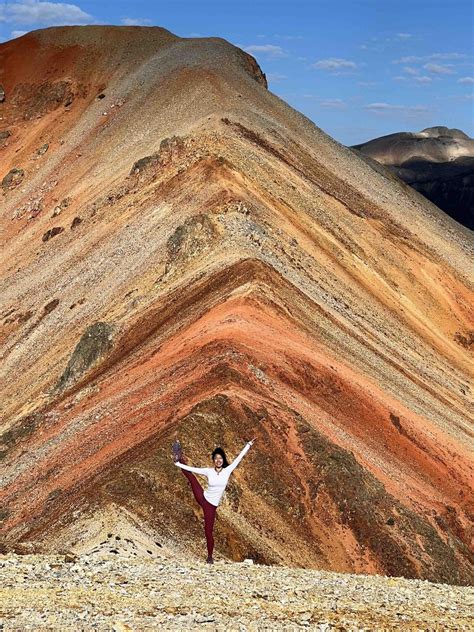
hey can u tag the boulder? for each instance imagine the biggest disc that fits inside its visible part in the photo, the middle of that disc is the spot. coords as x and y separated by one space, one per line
13 178
52 232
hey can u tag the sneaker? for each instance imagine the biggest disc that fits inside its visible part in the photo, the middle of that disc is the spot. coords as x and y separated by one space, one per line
177 451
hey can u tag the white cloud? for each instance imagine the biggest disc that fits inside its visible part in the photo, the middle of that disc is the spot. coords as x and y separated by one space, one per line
410 59
15 34
266 49
455 97
274 76
382 44
389 109
334 63
136 21
43 13
284 37
424 80
416 58
332 104
448 56
328 104
417 79
290 37
438 69
466 80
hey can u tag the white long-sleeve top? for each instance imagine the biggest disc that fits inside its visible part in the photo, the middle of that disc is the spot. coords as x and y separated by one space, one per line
217 481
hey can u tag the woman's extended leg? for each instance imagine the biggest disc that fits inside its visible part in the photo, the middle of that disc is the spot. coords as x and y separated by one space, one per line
208 509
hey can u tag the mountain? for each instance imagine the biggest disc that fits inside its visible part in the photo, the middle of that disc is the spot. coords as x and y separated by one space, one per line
185 253
438 162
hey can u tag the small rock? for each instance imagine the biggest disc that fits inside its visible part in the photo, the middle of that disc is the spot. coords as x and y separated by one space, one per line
75 222
119 626
204 619
13 178
52 232
4 135
51 305
41 151
62 205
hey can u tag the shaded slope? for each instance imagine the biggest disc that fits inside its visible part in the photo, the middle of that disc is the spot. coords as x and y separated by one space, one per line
234 271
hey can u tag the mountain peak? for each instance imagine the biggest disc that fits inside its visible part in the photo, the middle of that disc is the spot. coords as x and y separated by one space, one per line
98 52
440 131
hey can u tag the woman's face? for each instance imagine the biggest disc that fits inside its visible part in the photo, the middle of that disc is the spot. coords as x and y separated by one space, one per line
218 460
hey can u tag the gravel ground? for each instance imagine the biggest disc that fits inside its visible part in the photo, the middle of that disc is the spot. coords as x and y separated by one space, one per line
106 592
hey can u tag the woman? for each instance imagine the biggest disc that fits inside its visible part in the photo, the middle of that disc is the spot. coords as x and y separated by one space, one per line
217 476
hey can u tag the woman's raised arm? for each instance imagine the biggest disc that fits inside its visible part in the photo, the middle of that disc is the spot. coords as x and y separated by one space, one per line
230 468
196 470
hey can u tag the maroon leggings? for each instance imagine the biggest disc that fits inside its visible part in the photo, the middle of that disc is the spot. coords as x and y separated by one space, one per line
208 508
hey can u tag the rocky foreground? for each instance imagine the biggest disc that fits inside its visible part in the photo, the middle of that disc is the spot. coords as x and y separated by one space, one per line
110 592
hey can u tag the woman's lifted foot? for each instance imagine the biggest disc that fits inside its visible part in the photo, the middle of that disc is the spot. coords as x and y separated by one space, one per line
210 560
177 451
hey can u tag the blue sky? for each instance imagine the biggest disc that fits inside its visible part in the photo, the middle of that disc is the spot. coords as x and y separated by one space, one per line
358 68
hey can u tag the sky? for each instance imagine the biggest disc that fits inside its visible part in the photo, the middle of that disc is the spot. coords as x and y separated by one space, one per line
359 69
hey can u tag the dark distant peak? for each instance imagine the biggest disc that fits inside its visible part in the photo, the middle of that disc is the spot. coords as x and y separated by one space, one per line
435 133
439 131
437 161
433 144
396 136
